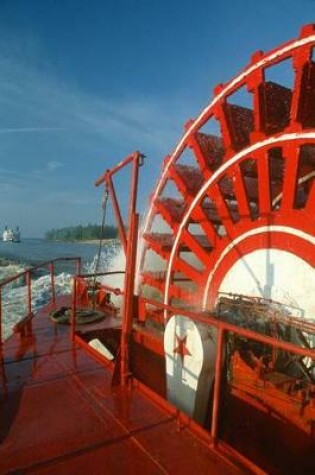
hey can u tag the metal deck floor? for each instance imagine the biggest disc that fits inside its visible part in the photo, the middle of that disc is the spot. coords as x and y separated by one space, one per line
59 415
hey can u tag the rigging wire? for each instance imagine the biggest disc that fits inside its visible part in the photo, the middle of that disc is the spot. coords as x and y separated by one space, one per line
103 226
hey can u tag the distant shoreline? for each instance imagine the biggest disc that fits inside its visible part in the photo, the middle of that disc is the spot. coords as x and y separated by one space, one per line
84 241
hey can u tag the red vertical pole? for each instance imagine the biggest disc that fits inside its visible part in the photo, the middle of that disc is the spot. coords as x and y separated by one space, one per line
121 228
134 185
78 269
29 291
3 373
130 270
1 319
73 309
217 385
130 248
52 282
128 297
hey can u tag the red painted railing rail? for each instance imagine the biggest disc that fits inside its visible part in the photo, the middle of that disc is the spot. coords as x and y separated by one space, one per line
213 320
222 328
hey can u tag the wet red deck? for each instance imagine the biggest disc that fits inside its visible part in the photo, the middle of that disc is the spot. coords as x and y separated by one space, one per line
60 415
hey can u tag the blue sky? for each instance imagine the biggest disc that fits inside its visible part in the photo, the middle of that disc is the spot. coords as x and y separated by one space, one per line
85 82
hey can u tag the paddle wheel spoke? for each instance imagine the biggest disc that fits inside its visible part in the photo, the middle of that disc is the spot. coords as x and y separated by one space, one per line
290 177
264 199
188 270
223 211
197 245
208 150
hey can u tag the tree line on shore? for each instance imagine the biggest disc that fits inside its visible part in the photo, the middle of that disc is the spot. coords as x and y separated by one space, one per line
82 233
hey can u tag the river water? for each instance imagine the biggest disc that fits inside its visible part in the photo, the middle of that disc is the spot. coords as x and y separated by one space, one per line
33 251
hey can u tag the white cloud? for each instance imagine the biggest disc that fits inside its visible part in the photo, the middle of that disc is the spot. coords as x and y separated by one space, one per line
52 106
53 165
23 130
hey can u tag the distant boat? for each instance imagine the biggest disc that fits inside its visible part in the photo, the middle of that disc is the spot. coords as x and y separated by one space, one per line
11 236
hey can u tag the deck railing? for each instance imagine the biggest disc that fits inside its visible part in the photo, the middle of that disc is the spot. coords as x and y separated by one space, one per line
26 276
223 328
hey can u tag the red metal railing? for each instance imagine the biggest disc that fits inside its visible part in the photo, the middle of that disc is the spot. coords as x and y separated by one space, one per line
50 265
223 328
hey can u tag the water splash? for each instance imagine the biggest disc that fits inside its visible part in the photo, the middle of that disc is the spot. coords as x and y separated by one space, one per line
15 298
103 262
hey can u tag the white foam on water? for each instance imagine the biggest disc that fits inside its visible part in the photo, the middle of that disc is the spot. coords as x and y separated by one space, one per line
103 262
15 298
10 270
113 260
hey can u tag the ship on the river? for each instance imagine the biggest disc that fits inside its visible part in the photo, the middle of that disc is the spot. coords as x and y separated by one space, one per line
10 235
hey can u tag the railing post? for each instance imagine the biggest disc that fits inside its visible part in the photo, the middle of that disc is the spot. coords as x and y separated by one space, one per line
73 308
1 319
78 270
217 385
52 282
29 291
3 372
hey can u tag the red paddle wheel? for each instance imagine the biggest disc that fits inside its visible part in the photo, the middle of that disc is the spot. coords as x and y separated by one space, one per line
231 231
224 322
233 210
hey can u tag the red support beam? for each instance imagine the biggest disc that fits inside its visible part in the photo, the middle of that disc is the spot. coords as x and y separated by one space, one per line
1 320
129 297
117 213
136 159
117 168
78 265
73 309
217 386
130 247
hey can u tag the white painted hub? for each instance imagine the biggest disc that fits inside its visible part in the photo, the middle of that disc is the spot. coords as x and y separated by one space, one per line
190 358
277 275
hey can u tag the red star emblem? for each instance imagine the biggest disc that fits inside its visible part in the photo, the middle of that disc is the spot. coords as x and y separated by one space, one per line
181 347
